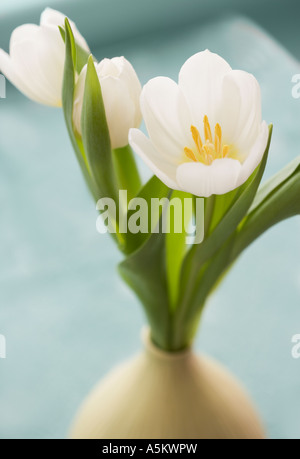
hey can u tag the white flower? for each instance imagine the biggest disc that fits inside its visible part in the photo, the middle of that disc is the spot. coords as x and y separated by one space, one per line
121 92
36 61
206 132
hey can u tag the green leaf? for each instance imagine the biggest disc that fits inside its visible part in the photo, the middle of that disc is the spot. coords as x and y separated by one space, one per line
221 204
128 176
95 136
218 205
277 180
210 276
153 189
67 101
145 272
82 58
277 200
81 54
176 245
197 259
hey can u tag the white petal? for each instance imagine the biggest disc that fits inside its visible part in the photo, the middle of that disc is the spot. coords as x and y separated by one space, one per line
7 68
130 78
119 110
120 97
22 33
36 62
33 52
78 99
121 68
166 116
50 17
200 79
256 154
37 53
163 169
51 59
240 115
108 67
201 180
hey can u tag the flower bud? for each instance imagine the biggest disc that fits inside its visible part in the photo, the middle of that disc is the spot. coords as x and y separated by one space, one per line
121 90
35 64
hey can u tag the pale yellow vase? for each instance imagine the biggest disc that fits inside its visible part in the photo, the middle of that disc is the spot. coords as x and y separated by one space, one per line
160 395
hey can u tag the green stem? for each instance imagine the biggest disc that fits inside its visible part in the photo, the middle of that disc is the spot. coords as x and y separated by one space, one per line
208 214
283 203
127 173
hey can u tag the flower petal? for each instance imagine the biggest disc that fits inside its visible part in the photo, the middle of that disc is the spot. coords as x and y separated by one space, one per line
129 76
240 114
256 154
162 168
219 177
78 99
119 109
166 116
50 17
200 79
51 60
7 68
29 43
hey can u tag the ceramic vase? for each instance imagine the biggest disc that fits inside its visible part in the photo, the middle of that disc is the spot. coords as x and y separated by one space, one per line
162 395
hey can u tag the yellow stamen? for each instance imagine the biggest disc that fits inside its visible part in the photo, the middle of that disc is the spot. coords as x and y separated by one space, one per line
211 148
225 150
196 138
207 130
190 154
208 147
209 152
218 139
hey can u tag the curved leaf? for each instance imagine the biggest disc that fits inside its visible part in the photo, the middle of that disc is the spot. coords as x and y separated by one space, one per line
126 171
67 101
154 188
277 201
95 136
80 56
145 272
197 260
277 180
176 246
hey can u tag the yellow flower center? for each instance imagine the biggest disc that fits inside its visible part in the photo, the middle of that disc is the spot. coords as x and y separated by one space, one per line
209 150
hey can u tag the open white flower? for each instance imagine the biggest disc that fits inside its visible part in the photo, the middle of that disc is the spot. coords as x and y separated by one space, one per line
35 64
121 90
206 132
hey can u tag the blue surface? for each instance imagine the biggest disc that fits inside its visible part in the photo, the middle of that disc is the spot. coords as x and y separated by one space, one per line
66 315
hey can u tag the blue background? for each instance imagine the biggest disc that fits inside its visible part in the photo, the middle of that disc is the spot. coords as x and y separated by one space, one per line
66 315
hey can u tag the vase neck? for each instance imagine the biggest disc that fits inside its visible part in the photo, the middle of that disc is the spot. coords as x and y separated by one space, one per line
154 351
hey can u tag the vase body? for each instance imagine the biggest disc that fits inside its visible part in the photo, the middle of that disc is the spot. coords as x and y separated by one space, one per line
160 395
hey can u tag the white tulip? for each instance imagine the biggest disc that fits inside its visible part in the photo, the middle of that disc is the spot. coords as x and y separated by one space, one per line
206 132
121 91
35 64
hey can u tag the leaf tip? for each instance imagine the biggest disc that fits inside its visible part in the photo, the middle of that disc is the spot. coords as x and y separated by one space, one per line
62 33
91 60
67 23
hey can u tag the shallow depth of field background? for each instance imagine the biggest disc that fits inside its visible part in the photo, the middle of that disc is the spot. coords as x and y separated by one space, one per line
66 315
